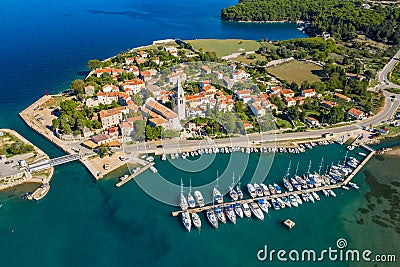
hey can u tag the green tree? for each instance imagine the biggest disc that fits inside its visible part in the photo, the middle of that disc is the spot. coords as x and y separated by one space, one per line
94 64
78 86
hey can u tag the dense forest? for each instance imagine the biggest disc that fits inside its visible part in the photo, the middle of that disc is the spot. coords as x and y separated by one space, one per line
341 18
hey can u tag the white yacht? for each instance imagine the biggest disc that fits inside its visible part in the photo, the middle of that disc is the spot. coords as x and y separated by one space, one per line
261 202
259 190
199 198
251 190
220 214
212 218
246 210
190 198
315 195
187 222
239 192
238 210
217 196
196 220
183 202
265 190
230 213
257 211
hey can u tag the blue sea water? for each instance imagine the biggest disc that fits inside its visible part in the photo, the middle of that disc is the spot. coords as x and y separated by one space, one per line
44 46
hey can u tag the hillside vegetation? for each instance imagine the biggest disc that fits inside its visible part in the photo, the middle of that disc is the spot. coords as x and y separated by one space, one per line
341 18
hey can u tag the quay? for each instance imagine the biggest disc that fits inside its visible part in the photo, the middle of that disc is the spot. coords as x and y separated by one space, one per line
133 175
362 163
285 194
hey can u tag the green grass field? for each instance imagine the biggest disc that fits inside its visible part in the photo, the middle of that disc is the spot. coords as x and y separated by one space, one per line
296 71
225 47
246 60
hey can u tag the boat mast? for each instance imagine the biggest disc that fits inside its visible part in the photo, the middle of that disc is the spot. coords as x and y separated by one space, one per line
190 186
217 180
345 158
297 168
288 170
181 186
320 166
308 171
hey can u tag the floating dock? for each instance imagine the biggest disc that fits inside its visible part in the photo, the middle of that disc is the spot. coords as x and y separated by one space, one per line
285 194
133 175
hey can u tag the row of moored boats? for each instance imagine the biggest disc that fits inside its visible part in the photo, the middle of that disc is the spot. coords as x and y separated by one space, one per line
295 187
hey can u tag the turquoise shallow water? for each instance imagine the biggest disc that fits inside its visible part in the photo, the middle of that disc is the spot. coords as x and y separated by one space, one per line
81 222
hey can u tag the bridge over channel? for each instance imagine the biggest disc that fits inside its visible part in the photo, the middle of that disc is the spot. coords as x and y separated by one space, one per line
53 162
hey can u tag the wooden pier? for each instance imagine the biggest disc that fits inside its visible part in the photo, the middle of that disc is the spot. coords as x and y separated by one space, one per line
362 163
133 175
285 194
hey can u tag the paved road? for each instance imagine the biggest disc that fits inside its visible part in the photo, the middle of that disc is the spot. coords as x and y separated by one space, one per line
392 103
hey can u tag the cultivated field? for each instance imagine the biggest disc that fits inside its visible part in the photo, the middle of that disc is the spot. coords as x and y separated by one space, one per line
225 47
296 71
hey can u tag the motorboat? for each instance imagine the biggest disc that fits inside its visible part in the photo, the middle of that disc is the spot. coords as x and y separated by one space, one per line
187 222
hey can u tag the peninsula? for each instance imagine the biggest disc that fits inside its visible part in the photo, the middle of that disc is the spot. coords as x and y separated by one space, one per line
172 96
16 155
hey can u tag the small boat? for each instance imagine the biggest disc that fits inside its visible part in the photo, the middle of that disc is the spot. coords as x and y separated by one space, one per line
315 195
275 204
325 192
217 196
232 193
230 213
298 199
239 192
251 190
330 191
123 177
187 222
238 210
345 187
281 202
190 198
350 148
310 197
272 189
293 201
287 184
220 214
362 154
263 204
305 197
196 220
199 198
257 211
163 157
183 202
286 201
277 188
353 185
259 190
212 218
265 190
246 210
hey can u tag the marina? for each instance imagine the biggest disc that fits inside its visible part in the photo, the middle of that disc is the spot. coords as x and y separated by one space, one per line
263 197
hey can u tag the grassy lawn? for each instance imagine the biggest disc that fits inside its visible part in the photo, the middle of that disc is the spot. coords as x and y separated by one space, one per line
283 124
225 47
296 71
54 101
246 60
395 76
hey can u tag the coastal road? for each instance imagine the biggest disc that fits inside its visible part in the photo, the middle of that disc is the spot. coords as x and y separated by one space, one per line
392 103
